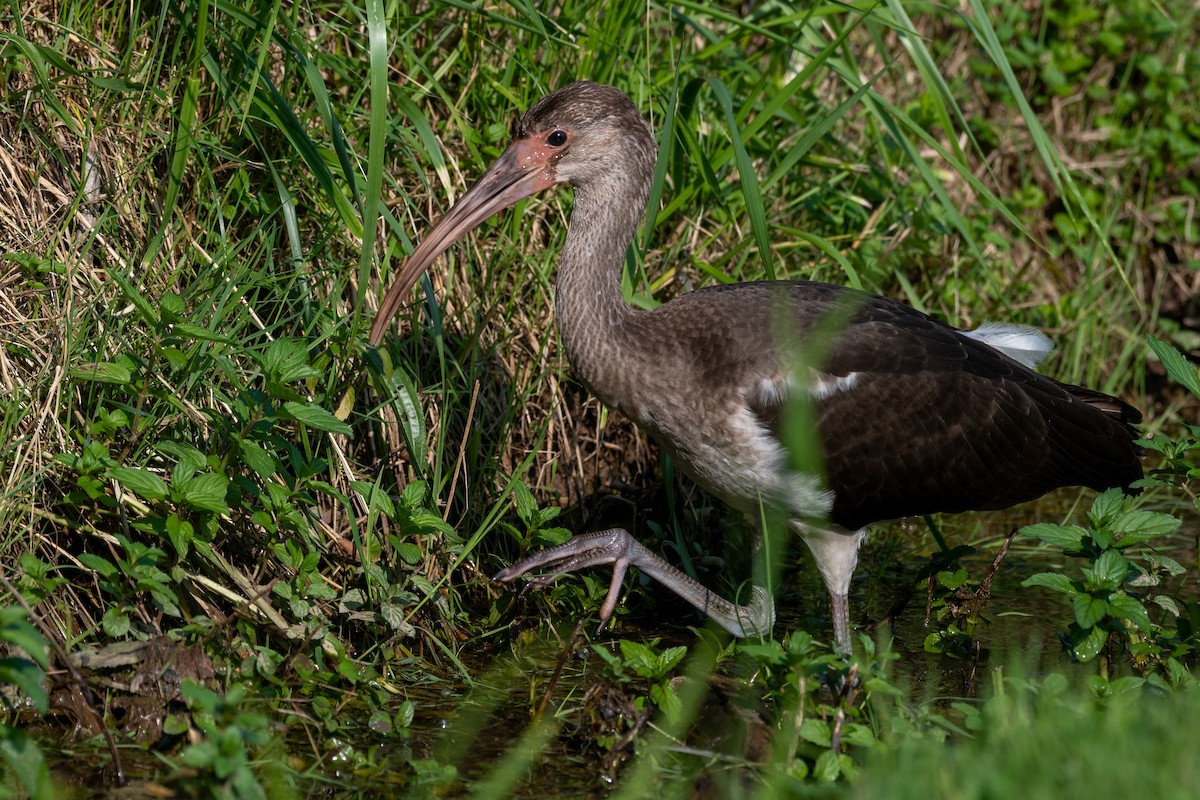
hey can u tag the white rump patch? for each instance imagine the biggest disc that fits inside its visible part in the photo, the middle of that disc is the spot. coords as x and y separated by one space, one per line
1021 343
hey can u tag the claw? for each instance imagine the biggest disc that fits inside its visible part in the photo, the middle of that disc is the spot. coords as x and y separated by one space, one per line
616 547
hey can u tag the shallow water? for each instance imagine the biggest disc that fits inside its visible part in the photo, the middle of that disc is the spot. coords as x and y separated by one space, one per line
475 728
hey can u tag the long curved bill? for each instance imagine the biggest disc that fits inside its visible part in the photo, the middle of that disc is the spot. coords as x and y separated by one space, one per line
520 172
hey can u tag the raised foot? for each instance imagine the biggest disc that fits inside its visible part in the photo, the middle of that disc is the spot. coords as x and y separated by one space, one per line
616 547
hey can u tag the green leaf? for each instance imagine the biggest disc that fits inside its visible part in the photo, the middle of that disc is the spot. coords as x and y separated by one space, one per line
639 657
1106 507
286 361
952 580
816 731
1170 565
115 623
20 753
1091 644
377 499
1088 610
201 334
18 631
1052 580
669 658
526 505
103 372
414 494
1109 570
1140 526
206 492
426 521
140 481
1068 537
409 415
550 537
175 724
257 459
190 460
26 676
409 553
171 307
180 533
1130 608
859 735
315 417
828 766
1176 365
668 701
101 566
145 309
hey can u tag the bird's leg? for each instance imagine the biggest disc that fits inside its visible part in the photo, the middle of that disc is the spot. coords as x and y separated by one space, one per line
836 554
618 548
840 611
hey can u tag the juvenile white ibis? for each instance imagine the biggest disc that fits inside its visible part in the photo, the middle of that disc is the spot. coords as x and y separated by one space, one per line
913 416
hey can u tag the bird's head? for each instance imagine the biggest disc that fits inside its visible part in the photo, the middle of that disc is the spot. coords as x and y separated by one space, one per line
569 136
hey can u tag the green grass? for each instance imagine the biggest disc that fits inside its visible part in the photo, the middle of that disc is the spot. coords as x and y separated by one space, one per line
200 205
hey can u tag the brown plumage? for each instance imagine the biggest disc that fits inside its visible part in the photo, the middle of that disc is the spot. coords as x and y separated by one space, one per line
913 416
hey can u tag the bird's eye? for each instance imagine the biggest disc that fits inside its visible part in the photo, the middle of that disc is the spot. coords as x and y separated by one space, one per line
557 138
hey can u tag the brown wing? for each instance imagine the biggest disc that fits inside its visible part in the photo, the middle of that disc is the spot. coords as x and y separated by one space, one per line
932 420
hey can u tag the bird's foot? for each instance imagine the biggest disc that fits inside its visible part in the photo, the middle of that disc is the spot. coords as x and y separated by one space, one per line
614 546
618 548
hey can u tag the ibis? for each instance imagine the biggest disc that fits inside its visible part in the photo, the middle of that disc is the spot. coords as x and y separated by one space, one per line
911 416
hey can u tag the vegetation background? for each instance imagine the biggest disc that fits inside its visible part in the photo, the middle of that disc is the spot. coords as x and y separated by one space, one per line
228 529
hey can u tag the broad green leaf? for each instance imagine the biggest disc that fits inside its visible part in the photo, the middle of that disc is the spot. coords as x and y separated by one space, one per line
103 372
286 361
828 766
669 658
17 630
1106 507
424 521
1140 526
816 731
98 564
1168 604
1109 570
1091 645
190 460
1088 609
859 735
180 533
201 334
1130 608
171 307
408 552
526 505
140 481
1067 537
1176 365
377 499
115 622
20 753
1052 580
409 415
1170 565
414 494
206 492
668 701
315 417
26 676
257 458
